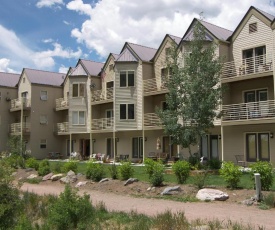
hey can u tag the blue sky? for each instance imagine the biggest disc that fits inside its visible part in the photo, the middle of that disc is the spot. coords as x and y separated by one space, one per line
53 34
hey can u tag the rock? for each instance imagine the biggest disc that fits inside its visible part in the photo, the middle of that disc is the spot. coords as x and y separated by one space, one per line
130 181
14 174
29 169
47 177
211 194
248 202
70 178
104 180
71 173
170 190
32 176
81 183
79 174
56 177
201 227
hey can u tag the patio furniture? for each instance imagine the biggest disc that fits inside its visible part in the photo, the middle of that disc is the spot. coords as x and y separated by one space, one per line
240 160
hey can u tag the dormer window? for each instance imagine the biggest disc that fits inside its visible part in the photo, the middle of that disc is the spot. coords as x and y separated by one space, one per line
253 27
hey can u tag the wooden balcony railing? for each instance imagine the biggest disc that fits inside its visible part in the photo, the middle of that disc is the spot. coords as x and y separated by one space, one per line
251 110
152 120
155 85
257 64
61 103
16 104
103 124
102 95
15 128
62 127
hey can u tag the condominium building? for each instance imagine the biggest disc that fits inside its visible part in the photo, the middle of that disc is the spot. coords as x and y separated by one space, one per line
110 107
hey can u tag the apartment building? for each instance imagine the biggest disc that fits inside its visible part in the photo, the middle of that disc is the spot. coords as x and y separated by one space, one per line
109 107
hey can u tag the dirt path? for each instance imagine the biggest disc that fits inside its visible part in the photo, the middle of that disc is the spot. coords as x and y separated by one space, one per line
215 210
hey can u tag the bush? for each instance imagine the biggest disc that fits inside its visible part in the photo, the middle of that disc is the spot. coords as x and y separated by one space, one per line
231 174
15 161
95 171
70 165
56 167
149 166
265 170
44 168
157 177
181 170
70 211
193 160
268 200
125 171
214 163
199 178
32 163
113 171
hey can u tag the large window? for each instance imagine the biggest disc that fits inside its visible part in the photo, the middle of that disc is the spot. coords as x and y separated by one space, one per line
257 146
43 144
127 78
43 95
127 111
79 90
255 95
78 118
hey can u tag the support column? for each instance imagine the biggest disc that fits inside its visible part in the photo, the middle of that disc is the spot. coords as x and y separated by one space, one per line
222 140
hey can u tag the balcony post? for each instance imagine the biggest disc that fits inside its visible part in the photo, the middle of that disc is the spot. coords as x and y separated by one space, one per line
21 134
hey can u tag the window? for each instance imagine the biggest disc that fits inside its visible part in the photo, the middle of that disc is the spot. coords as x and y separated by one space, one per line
79 90
43 95
255 95
127 111
137 147
78 118
127 78
43 144
253 27
257 147
43 119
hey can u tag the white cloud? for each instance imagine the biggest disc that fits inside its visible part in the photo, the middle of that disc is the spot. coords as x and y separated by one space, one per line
113 22
49 40
49 3
66 22
4 66
63 69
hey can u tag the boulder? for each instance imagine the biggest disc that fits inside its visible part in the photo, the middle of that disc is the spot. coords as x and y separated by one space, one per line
70 178
32 176
56 177
71 173
211 194
104 180
130 181
171 190
81 183
47 177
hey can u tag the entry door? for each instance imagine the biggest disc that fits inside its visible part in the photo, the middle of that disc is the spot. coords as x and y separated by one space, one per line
214 146
168 147
137 147
110 147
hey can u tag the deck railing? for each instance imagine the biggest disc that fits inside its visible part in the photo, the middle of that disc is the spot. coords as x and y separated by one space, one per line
154 85
17 103
251 110
257 64
63 127
103 124
152 120
61 103
102 95
15 128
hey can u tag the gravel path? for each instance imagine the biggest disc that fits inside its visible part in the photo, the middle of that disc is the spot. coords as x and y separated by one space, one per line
215 210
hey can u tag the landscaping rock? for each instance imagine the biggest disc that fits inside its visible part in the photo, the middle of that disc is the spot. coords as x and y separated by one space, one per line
170 190
151 189
248 202
130 181
70 178
71 173
47 177
32 176
104 180
81 183
56 177
211 194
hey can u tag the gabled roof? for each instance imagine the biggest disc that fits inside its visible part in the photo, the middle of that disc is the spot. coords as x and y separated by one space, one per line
44 77
143 53
9 79
93 68
267 15
126 56
175 38
115 56
212 30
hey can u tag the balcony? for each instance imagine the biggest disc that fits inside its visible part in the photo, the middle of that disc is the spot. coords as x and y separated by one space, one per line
151 120
15 128
63 128
102 96
155 86
262 112
102 124
61 104
18 104
247 68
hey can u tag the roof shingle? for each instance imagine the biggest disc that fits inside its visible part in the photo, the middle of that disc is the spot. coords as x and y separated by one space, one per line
93 68
144 53
9 79
126 56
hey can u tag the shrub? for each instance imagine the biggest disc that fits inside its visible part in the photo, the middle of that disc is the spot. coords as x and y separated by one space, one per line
214 163
265 170
125 170
95 171
199 178
44 168
70 211
15 161
231 174
113 171
181 170
70 165
32 163
149 166
56 167
268 200
157 177
193 160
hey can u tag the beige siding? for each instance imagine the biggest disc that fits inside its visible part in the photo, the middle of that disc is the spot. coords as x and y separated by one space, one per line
24 86
66 88
110 73
224 51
